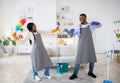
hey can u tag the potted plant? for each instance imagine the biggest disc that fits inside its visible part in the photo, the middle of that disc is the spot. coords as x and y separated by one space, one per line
7 45
117 33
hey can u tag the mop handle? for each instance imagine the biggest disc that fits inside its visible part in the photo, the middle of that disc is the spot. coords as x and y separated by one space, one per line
108 67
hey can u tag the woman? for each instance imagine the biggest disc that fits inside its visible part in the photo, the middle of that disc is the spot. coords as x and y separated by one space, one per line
39 55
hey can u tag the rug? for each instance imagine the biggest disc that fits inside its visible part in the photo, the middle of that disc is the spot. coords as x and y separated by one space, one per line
64 78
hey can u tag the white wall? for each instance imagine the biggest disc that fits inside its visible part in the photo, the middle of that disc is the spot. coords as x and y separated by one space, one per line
44 13
105 11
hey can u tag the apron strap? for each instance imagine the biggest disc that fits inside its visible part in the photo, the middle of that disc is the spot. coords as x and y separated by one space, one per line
34 36
81 29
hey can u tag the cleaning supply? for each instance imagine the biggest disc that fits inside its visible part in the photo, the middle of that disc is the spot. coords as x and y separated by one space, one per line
108 67
59 68
62 68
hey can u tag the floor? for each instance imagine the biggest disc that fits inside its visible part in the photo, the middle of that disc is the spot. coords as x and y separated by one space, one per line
15 69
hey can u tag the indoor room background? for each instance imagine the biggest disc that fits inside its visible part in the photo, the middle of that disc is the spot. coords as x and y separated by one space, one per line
44 14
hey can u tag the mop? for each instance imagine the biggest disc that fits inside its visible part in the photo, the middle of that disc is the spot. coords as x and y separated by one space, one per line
108 66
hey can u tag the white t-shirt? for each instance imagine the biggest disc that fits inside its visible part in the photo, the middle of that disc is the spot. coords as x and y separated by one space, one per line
84 26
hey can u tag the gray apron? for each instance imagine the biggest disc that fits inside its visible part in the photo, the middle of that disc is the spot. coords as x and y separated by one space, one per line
85 49
39 55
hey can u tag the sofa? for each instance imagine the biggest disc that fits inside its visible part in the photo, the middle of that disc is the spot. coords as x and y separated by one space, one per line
60 52
57 52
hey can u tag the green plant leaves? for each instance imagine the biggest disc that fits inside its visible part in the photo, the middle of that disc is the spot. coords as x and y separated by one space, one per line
0 41
13 42
118 35
6 42
9 39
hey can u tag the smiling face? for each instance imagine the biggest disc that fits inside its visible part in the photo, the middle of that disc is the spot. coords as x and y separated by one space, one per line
82 19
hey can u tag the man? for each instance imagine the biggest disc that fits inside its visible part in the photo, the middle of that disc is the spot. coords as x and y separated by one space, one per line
85 49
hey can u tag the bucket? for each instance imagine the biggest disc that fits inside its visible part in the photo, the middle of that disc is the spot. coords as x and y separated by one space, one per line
62 68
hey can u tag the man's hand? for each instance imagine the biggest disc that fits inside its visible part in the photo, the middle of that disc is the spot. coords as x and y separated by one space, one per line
95 23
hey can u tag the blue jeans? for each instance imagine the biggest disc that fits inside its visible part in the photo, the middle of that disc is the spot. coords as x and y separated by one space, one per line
76 68
36 73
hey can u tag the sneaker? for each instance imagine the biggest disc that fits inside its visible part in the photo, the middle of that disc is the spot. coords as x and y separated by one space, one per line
48 77
92 75
37 78
73 77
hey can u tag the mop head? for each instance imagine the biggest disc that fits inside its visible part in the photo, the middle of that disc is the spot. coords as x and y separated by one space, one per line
107 81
